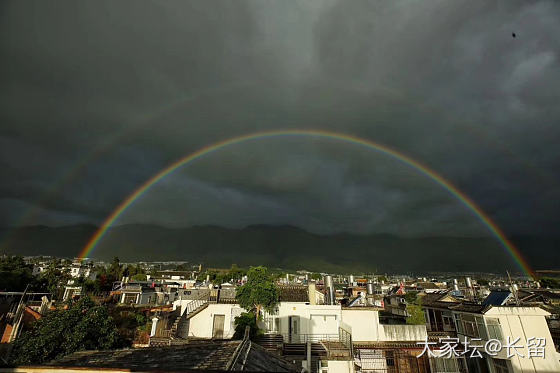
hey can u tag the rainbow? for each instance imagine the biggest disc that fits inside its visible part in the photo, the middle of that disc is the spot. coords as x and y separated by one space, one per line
464 199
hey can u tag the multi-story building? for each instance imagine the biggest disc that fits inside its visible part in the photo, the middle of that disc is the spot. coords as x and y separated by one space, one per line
508 338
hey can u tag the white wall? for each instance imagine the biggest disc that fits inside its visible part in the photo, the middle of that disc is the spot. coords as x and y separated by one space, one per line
364 323
314 319
341 366
182 304
527 322
201 324
402 333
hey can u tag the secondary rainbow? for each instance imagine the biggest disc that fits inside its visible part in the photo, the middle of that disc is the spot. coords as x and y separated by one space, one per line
464 199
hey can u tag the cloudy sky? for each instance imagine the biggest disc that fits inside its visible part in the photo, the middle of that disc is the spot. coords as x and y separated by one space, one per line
96 97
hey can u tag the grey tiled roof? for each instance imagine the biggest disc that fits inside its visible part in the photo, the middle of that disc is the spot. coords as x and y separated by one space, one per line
200 355
293 293
205 356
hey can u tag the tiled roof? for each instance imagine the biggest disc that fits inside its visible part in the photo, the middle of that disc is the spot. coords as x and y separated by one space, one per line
293 293
201 355
470 307
205 356
433 300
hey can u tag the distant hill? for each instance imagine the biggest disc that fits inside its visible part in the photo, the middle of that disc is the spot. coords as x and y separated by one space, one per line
285 247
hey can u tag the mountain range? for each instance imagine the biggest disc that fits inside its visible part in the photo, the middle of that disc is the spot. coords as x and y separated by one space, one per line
284 247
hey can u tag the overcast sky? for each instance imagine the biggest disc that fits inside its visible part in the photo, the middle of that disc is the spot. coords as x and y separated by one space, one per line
96 97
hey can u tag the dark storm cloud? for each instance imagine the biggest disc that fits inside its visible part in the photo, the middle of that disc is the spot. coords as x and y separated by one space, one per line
142 84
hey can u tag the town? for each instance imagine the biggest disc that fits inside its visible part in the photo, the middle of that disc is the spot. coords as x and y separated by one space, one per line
307 186
181 316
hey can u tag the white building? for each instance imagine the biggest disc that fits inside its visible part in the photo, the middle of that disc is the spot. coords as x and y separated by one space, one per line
524 328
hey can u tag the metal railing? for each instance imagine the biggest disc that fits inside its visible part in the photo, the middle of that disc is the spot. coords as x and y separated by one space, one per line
163 333
313 338
345 337
193 306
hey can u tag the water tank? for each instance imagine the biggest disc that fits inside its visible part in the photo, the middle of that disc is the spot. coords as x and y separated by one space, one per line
455 287
455 282
350 279
369 288
328 281
468 282
329 285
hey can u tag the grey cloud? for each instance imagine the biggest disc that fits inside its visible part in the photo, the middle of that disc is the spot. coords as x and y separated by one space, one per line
127 88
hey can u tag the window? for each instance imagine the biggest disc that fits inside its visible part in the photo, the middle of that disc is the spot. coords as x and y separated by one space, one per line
494 328
390 357
445 365
469 325
481 328
448 323
459 324
472 326
501 366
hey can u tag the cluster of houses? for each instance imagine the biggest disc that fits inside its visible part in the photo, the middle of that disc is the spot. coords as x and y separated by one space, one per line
360 326
332 325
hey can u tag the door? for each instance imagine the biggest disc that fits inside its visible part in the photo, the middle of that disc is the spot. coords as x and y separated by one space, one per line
293 329
218 328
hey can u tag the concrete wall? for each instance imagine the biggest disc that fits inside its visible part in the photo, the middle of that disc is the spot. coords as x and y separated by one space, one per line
402 333
182 304
201 324
340 366
364 324
314 319
526 322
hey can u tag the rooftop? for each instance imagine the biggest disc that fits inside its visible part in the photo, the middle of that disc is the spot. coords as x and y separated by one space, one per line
240 355
293 293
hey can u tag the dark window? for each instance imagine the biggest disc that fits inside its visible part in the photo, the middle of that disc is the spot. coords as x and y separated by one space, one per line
389 355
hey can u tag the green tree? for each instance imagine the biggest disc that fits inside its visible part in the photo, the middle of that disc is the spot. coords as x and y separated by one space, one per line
411 297
235 272
134 270
115 270
139 277
416 313
316 276
15 274
260 291
246 319
83 326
